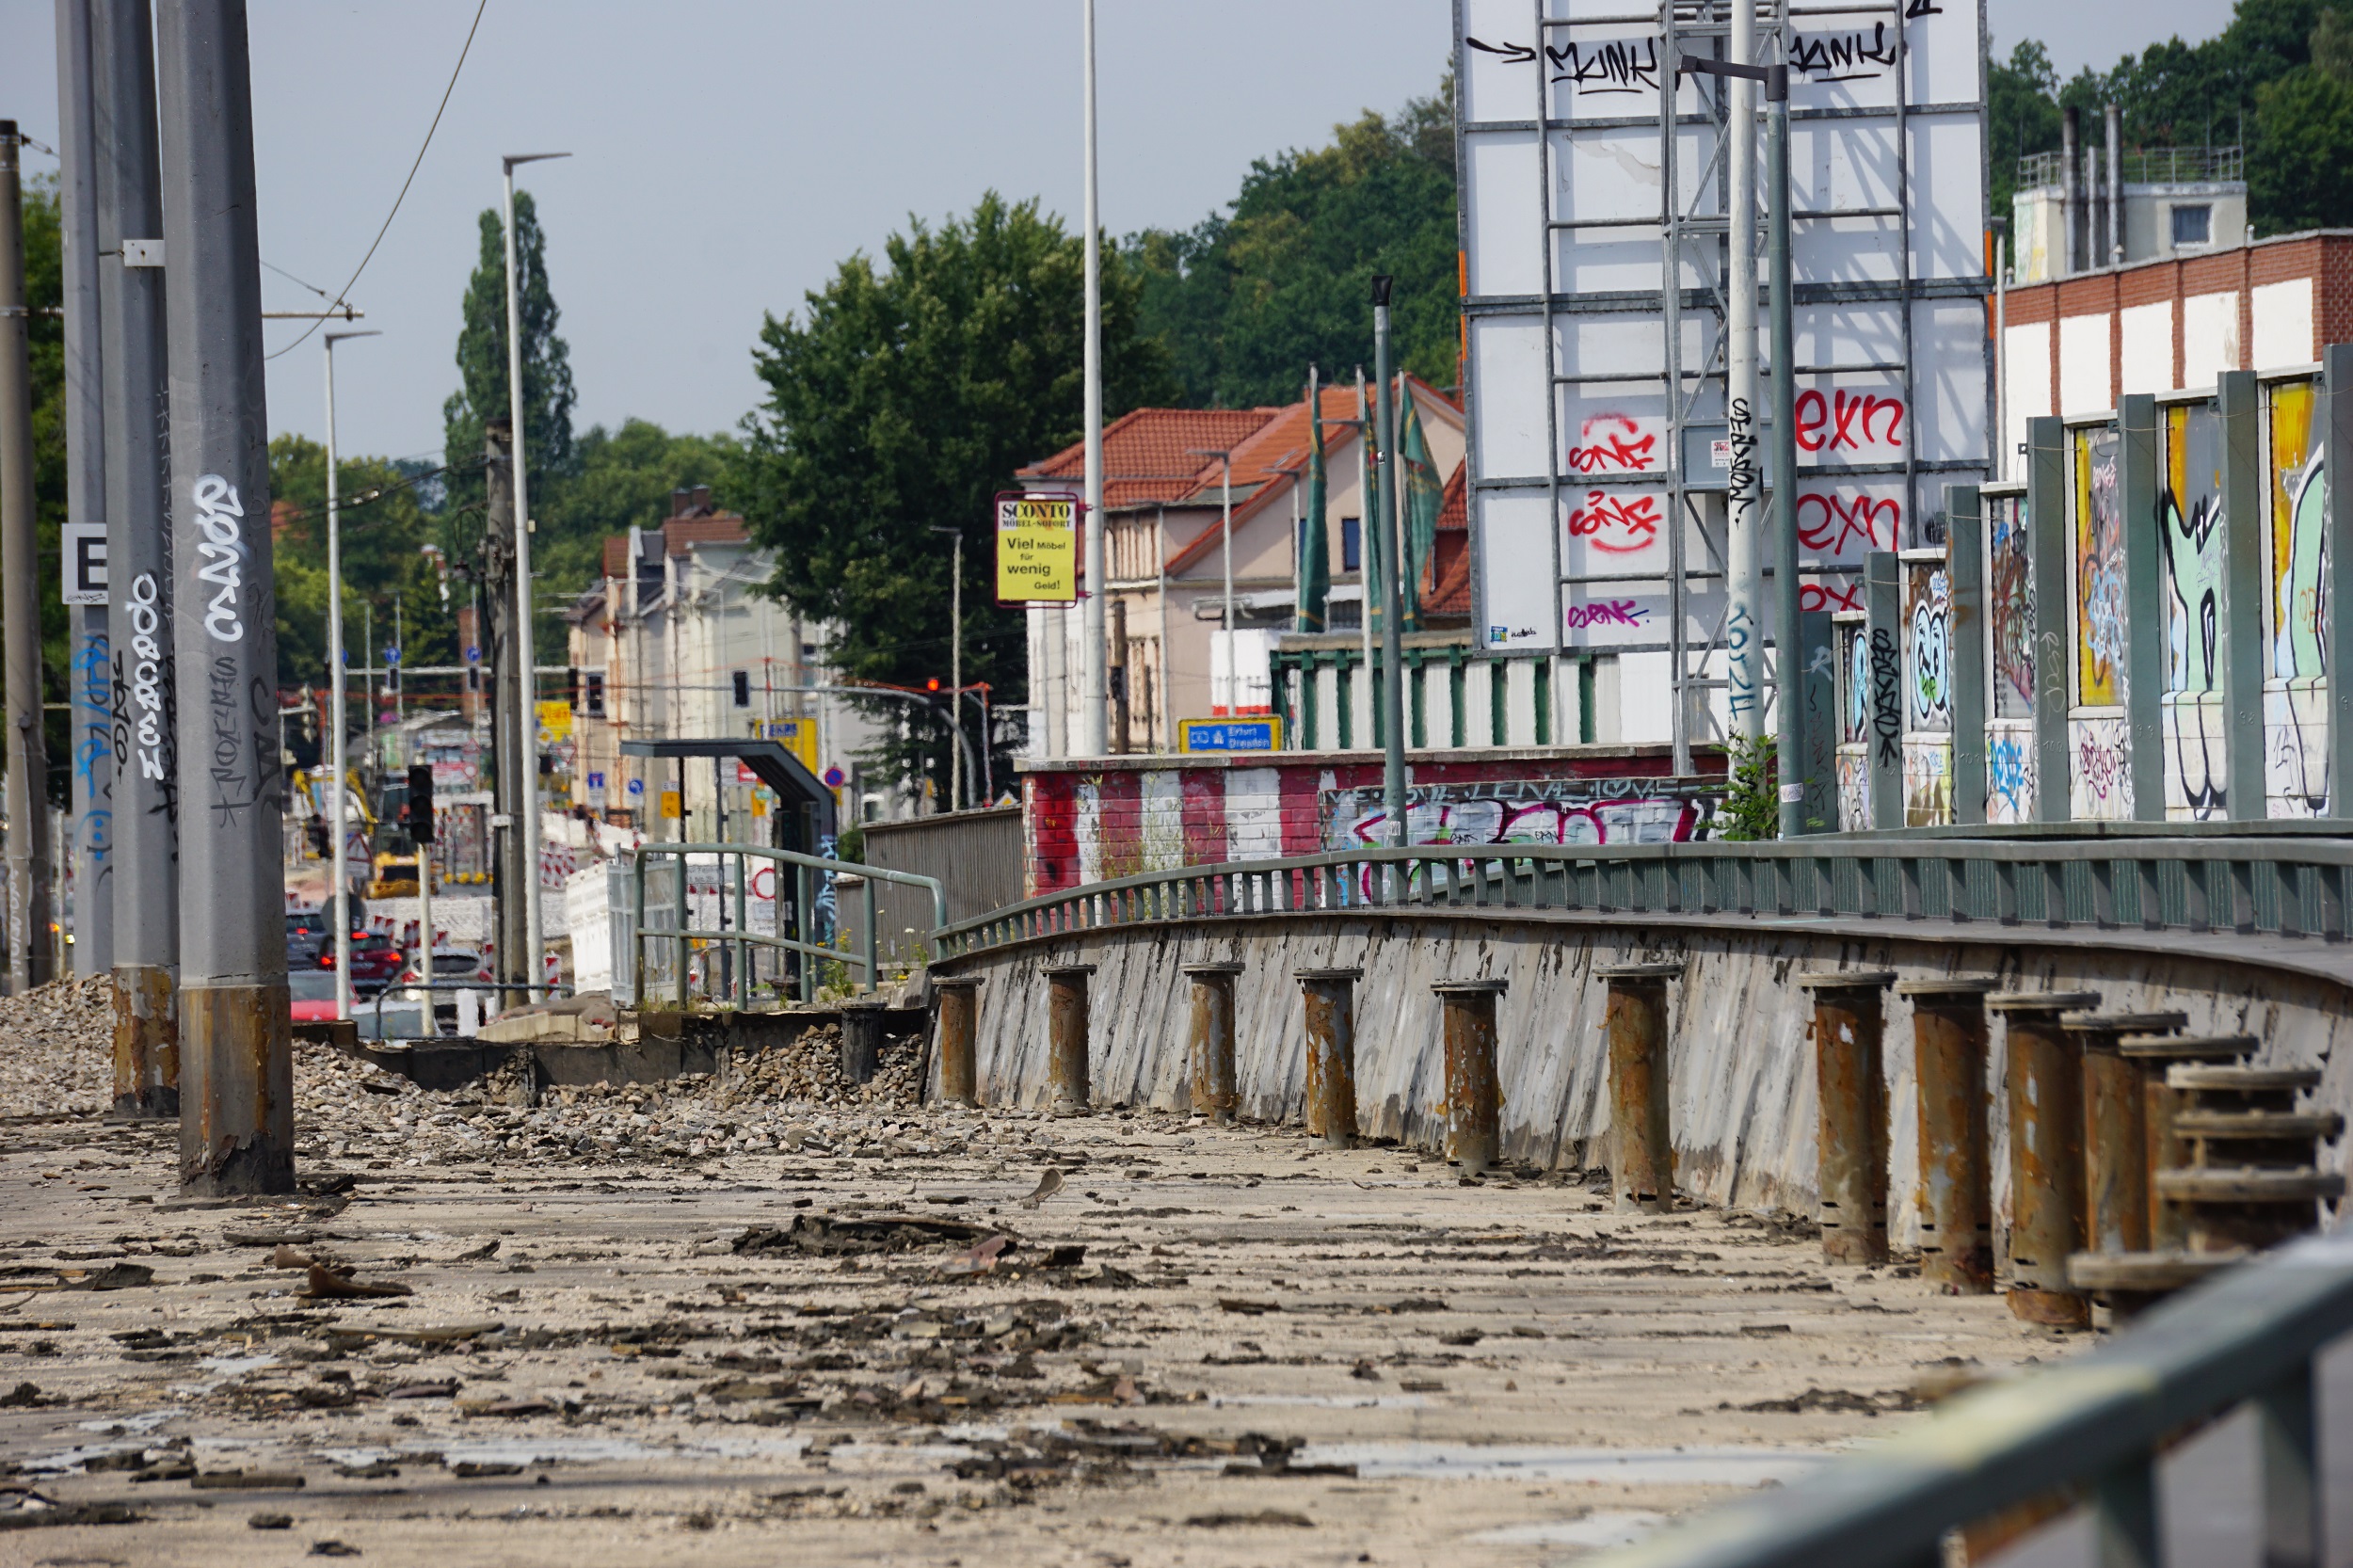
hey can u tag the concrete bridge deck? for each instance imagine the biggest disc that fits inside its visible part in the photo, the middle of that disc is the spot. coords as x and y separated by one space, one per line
1514 1373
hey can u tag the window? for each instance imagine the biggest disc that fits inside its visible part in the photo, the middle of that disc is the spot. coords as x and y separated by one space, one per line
1351 545
2193 226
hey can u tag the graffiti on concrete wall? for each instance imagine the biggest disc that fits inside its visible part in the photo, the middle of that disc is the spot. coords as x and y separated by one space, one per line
2009 772
2296 750
2192 527
1927 649
2099 572
2103 782
2009 606
1529 811
1927 780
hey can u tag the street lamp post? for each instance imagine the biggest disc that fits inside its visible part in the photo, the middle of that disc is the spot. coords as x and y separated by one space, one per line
1093 722
337 810
955 671
526 718
1224 457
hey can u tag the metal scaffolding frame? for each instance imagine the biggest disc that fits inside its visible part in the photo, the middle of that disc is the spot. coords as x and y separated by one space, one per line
1693 239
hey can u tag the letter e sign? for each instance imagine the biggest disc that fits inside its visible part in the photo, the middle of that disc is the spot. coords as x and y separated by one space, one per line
85 550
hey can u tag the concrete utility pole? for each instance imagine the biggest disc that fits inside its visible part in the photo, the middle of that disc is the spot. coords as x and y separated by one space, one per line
1744 498
236 1124
88 678
20 602
1392 597
336 661
526 714
512 744
1791 742
1094 740
1365 536
955 669
138 560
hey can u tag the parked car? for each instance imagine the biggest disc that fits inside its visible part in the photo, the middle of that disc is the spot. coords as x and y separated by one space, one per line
449 963
307 931
375 961
314 994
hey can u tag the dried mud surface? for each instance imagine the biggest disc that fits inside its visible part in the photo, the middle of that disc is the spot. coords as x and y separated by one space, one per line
766 1317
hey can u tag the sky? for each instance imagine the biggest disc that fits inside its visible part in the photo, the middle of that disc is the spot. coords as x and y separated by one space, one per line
727 154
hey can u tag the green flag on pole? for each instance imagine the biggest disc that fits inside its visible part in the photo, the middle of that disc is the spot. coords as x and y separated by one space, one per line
1315 551
1425 495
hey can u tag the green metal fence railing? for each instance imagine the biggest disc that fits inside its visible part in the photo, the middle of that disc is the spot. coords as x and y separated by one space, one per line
2289 886
730 973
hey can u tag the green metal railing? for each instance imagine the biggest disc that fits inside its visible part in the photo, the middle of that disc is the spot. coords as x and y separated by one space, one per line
730 977
2090 1430
2284 886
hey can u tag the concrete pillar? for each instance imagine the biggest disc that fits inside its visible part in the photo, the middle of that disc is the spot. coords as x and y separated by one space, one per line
2336 454
147 1044
2044 1084
1329 1002
862 1040
2050 545
1883 652
2246 480
1070 1089
2139 478
2117 1179
1967 652
1956 1192
1474 1099
1641 1154
1850 1085
1215 1092
960 1027
2150 1055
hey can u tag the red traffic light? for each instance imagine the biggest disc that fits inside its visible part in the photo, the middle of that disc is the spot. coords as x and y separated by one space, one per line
933 684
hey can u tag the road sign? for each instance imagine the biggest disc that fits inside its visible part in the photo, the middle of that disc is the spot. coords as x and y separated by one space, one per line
556 722
85 546
635 788
474 653
392 658
835 778
1037 548
1260 733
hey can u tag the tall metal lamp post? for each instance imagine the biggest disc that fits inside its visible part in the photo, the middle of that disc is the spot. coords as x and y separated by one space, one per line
526 720
337 810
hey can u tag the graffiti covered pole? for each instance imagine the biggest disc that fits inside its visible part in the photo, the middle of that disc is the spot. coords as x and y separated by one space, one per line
139 565
1384 519
1744 499
237 1123
1797 776
88 687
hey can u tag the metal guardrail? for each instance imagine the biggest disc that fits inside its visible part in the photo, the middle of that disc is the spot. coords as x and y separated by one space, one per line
2089 1431
2290 887
735 980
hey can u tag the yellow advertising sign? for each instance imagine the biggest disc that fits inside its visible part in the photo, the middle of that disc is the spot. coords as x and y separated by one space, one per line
1037 549
556 722
797 736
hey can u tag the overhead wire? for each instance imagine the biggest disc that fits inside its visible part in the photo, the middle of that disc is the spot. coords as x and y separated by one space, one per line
343 296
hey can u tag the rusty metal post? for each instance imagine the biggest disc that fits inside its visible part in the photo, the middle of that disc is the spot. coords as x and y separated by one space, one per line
2117 1179
2150 1055
147 1044
1956 1191
1641 1154
2044 1085
960 1027
1216 1093
1474 1097
1070 1088
862 1040
1850 1091
1329 1002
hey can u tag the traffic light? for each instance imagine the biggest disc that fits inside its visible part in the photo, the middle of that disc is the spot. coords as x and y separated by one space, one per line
474 677
572 686
322 843
933 684
391 681
419 810
742 688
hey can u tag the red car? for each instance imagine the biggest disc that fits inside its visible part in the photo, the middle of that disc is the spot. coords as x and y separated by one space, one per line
375 962
312 993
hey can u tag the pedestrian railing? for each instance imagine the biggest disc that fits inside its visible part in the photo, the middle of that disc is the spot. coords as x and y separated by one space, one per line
2284 886
729 975
2089 1431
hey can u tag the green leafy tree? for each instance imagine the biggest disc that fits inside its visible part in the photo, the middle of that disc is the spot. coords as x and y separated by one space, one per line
2022 116
481 391
2300 170
900 398
618 477
44 280
1243 300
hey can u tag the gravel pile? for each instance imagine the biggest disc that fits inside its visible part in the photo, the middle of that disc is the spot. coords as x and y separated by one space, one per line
56 1050
809 1069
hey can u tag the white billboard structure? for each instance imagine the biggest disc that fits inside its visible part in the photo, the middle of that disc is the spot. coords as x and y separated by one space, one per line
1598 449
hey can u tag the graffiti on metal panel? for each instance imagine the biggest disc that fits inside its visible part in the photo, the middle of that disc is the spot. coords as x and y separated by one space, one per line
2010 607
1855 727
1928 782
146 715
2008 780
1619 525
1618 443
1849 55
1832 524
2099 572
1842 420
1740 658
91 683
1828 595
1887 702
2190 525
1610 66
1931 694
2103 791
2295 742
223 551
1609 611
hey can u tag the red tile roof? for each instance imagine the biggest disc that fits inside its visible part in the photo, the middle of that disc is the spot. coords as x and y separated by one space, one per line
616 555
719 528
1150 455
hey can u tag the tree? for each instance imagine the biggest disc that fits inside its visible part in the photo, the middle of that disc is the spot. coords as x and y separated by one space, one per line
903 397
385 531
1243 300
2300 170
44 290
2022 116
618 477
482 353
